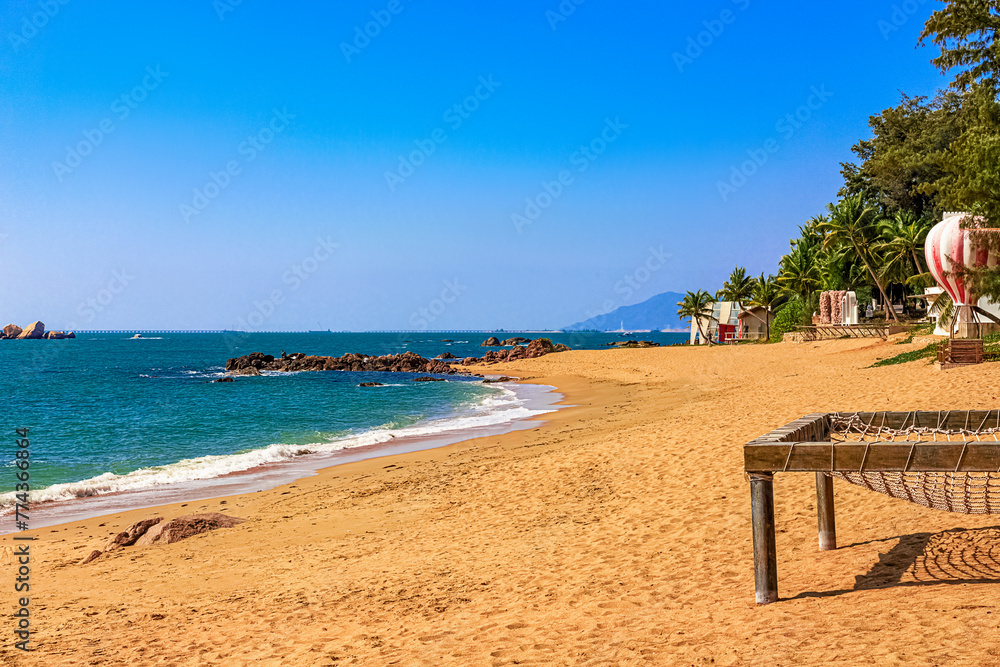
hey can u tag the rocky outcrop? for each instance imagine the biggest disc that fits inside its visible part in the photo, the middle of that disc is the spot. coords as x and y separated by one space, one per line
428 379
502 378
371 384
249 370
492 341
407 362
224 380
517 340
126 538
446 355
158 531
183 527
33 331
536 348
131 535
633 343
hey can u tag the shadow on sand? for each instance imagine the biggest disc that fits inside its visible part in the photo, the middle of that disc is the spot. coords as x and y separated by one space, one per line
955 556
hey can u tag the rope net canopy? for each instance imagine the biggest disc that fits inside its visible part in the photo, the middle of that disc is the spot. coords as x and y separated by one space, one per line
962 492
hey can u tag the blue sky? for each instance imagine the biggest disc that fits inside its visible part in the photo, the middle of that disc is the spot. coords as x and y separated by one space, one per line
267 166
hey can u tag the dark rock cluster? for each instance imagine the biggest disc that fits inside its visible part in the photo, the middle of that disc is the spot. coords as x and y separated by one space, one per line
536 348
407 362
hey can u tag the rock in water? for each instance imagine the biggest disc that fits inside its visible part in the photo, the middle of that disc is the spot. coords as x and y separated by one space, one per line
224 380
428 379
407 362
492 341
11 331
34 331
516 340
536 348
634 343
371 384
182 527
446 355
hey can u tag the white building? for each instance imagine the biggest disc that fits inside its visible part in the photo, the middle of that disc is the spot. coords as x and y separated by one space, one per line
932 296
723 312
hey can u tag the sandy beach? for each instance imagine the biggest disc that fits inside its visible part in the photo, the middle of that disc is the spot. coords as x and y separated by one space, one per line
617 532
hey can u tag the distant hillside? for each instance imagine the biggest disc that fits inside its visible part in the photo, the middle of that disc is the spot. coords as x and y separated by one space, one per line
658 312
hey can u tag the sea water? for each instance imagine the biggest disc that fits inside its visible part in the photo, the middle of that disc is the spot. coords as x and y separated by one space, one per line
110 415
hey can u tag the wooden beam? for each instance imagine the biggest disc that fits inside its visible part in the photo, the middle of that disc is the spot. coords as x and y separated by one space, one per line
872 457
765 553
824 512
949 419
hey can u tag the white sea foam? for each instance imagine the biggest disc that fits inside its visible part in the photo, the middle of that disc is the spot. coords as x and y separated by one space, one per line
500 408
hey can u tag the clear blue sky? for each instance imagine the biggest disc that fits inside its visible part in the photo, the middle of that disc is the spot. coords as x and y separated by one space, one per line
126 228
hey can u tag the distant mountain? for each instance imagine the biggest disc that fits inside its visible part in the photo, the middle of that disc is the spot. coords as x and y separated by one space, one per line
658 312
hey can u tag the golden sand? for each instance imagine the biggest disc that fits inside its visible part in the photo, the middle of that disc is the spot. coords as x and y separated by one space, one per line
617 533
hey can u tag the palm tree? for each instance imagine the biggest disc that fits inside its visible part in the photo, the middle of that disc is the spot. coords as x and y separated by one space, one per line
853 224
765 293
798 274
901 239
738 288
697 306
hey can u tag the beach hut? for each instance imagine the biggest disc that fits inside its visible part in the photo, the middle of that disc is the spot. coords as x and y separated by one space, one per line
755 322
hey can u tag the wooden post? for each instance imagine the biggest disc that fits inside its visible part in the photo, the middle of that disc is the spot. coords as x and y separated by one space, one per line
765 556
824 512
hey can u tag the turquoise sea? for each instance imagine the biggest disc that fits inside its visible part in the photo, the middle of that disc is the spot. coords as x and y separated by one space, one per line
109 414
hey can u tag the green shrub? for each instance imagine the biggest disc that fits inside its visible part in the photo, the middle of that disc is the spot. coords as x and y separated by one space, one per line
793 314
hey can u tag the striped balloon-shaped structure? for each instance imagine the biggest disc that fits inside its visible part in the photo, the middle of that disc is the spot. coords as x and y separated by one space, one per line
949 248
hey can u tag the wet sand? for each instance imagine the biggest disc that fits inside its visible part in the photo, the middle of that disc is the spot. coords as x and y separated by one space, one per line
616 533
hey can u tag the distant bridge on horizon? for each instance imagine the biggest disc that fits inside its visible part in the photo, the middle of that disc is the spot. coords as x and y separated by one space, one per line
387 331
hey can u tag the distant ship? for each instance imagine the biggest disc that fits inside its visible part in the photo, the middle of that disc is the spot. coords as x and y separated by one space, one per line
136 336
